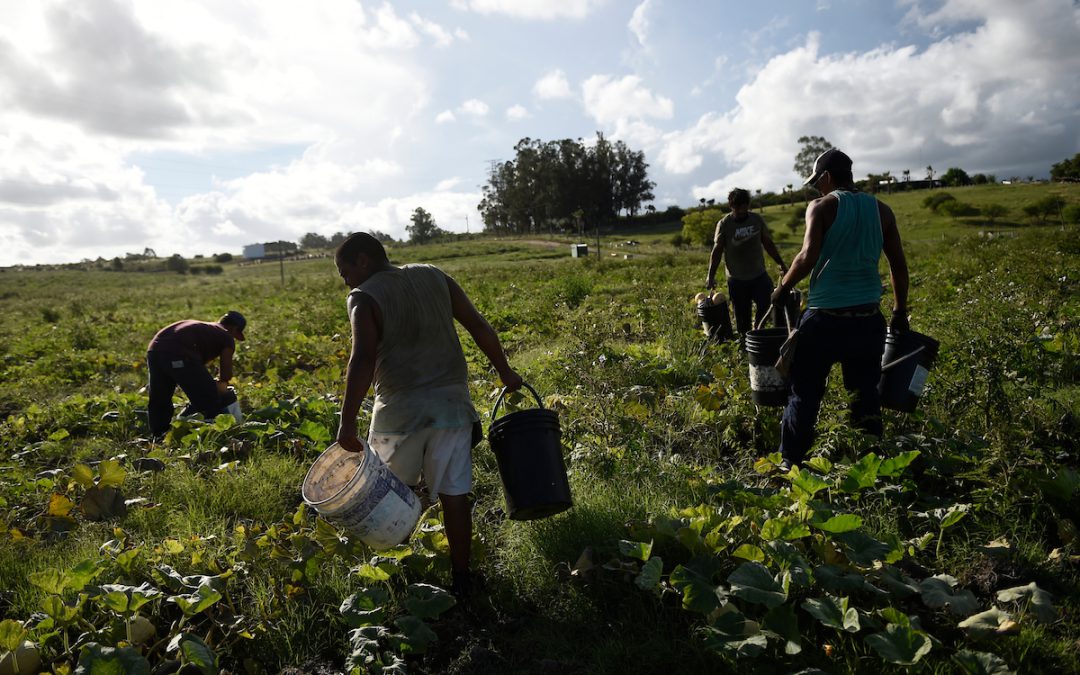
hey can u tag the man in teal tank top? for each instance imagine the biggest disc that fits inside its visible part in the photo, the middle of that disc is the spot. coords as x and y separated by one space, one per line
846 233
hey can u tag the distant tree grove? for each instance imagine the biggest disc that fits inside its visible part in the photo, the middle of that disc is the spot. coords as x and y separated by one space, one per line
564 185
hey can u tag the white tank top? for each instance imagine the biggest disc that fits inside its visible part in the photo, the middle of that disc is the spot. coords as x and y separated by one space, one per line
421 380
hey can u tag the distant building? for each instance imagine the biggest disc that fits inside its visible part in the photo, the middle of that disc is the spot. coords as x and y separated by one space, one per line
270 249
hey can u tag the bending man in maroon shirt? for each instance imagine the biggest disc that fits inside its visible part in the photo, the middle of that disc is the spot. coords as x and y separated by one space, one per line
178 355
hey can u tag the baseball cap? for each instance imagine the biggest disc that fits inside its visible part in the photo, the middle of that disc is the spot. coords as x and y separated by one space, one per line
832 160
235 318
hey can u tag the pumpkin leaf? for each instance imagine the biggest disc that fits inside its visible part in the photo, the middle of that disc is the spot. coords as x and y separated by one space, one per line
752 582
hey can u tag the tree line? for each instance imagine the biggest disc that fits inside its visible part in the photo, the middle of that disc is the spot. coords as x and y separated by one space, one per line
564 186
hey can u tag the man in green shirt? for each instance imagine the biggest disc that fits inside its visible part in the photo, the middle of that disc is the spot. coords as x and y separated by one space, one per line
740 238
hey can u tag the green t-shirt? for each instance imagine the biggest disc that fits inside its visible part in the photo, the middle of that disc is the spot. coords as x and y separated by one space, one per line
743 255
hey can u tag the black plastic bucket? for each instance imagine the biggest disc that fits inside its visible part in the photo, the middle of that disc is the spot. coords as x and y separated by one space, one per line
528 449
767 385
905 365
788 314
716 320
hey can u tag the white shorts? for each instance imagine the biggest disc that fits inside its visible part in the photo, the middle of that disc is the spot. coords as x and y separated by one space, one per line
442 456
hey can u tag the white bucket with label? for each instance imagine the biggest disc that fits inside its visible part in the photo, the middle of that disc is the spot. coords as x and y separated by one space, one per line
358 492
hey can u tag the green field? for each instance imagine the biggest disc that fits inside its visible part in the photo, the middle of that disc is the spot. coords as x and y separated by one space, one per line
952 547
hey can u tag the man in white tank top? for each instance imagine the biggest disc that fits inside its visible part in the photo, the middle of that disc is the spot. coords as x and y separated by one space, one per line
405 344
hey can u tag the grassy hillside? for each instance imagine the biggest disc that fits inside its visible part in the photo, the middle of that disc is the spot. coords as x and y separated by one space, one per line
951 544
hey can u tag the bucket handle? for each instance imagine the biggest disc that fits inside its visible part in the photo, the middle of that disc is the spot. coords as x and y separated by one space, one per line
502 393
768 313
905 357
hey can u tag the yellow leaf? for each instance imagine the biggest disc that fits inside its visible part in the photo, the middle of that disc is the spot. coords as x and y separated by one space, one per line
59 505
83 475
172 546
1008 627
112 474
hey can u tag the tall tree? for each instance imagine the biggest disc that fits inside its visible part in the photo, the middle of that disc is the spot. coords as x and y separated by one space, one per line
564 185
423 228
1066 169
955 177
809 148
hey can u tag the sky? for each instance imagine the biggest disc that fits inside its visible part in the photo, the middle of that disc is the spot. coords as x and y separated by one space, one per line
199 126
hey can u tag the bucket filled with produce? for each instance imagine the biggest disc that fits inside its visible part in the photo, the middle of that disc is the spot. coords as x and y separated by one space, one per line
528 449
905 366
768 386
358 492
712 311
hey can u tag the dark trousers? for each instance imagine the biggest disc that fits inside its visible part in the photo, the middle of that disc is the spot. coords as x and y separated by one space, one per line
824 339
744 292
167 371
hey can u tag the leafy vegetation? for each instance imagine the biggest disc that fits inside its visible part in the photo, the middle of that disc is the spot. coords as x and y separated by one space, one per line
949 546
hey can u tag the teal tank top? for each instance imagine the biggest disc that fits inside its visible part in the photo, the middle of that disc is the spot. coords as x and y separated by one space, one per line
846 273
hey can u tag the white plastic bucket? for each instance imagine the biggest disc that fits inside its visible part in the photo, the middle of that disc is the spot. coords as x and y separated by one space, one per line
358 492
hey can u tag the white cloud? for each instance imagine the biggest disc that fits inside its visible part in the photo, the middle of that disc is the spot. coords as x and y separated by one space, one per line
447 184
474 107
441 36
998 98
639 22
531 9
445 117
516 112
388 30
609 99
552 85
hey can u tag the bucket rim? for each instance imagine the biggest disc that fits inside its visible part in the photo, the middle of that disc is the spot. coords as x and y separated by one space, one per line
348 484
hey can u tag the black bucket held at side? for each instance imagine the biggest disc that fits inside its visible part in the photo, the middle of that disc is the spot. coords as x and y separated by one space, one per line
716 320
767 385
905 365
528 449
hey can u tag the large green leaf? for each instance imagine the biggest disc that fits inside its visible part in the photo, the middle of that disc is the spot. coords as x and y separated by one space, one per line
365 607
952 515
427 601
1040 601
314 431
649 577
731 632
862 474
784 528
937 592
98 660
834 613
111 474
12 634
698 593
753 582
845 522
805 483
892 466
51 580
638 550
195 652
60 612
781 621
83 475
898 583
749 552
987 623
194 603
85 572
901 645
861 548
838 580
981 663
416 634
